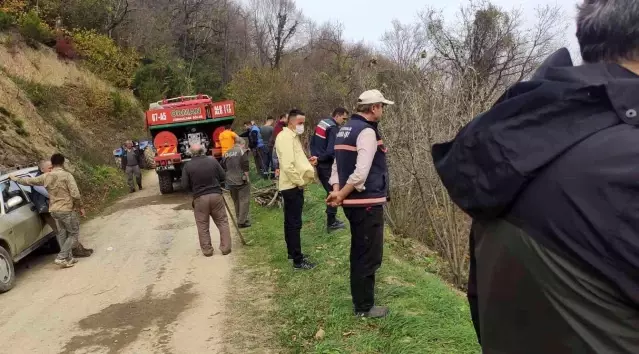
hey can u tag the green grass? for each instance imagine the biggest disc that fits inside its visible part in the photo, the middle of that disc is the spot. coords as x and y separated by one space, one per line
427 316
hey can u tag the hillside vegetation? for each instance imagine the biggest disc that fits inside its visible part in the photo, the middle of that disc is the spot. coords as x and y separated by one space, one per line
50 105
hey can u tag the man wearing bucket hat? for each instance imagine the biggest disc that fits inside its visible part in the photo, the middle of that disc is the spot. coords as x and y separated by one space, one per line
360 186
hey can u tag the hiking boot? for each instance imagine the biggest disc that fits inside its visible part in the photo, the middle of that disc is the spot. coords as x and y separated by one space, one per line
245 225
207 252
335 225
81 252
374 312
305 265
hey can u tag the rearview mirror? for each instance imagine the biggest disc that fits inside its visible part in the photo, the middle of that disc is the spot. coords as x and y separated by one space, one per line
14 202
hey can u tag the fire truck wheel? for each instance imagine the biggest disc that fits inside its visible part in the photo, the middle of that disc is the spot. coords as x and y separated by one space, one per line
166 183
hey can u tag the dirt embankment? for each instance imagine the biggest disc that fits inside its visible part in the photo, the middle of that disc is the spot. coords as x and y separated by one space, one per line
48 105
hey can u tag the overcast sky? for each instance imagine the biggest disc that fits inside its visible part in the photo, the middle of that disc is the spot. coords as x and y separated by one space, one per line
367 20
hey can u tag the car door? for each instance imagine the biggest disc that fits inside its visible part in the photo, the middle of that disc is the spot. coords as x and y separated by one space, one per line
24 222
46 229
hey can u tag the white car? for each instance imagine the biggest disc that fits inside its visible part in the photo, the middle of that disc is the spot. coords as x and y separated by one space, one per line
22 229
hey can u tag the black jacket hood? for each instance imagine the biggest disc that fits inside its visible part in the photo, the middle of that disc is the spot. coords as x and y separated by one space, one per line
493 157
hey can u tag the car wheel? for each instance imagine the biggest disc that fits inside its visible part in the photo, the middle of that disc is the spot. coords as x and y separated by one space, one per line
7 272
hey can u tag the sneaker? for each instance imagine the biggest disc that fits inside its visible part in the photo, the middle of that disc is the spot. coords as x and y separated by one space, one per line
66 263
59 261
131 190
305 265
245 225
374 312
208 252
336 225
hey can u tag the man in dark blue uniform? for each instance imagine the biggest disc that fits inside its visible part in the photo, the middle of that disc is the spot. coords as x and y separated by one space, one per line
323 148
360 184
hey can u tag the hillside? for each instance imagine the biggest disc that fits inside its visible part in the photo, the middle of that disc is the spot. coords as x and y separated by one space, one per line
49 105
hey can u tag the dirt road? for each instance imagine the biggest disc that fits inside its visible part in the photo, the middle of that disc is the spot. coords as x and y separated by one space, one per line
146 289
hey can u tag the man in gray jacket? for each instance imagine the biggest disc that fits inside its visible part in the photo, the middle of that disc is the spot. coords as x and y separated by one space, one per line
237 179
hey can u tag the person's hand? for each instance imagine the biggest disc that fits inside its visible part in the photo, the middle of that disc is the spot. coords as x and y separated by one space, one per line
277 172
335 199
313 160
82 212
13 177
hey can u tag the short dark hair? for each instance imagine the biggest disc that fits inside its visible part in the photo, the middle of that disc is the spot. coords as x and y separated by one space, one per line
282 116
227 127
269 118
339 111
248 122
57 159
607 30
294 113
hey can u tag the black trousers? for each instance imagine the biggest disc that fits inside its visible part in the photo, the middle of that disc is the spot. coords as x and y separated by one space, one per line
472 285
324 173
367 245
293 206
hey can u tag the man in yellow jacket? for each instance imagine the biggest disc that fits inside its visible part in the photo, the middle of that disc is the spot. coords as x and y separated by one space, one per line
296 171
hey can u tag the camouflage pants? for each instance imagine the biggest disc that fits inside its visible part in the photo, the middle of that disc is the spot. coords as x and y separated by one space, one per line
68 224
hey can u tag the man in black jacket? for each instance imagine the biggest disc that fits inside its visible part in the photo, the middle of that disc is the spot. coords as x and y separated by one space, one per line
549 175
323 149
131 162
203 176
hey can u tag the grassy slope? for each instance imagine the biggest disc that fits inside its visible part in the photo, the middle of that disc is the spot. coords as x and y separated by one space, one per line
427 315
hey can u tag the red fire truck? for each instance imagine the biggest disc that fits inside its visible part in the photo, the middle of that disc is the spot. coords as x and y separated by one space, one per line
177 123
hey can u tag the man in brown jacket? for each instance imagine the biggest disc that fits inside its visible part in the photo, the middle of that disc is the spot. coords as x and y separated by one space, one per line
45 166
203 176
64 205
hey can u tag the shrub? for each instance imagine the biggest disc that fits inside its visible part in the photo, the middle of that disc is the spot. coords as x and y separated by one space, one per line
6 20
103 56
34 30
41 96
122 107
22 132
64 47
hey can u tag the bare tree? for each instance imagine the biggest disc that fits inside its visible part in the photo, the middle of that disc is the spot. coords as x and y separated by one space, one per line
275 22
405 45
490 47
117 12
467 66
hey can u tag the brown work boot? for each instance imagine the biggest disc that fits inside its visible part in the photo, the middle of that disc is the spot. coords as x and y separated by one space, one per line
207 252
80 252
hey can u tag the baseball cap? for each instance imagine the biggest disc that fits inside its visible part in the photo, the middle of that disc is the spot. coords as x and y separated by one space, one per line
372 97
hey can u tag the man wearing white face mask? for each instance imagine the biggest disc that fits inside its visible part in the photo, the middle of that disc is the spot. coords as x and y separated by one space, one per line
296 171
